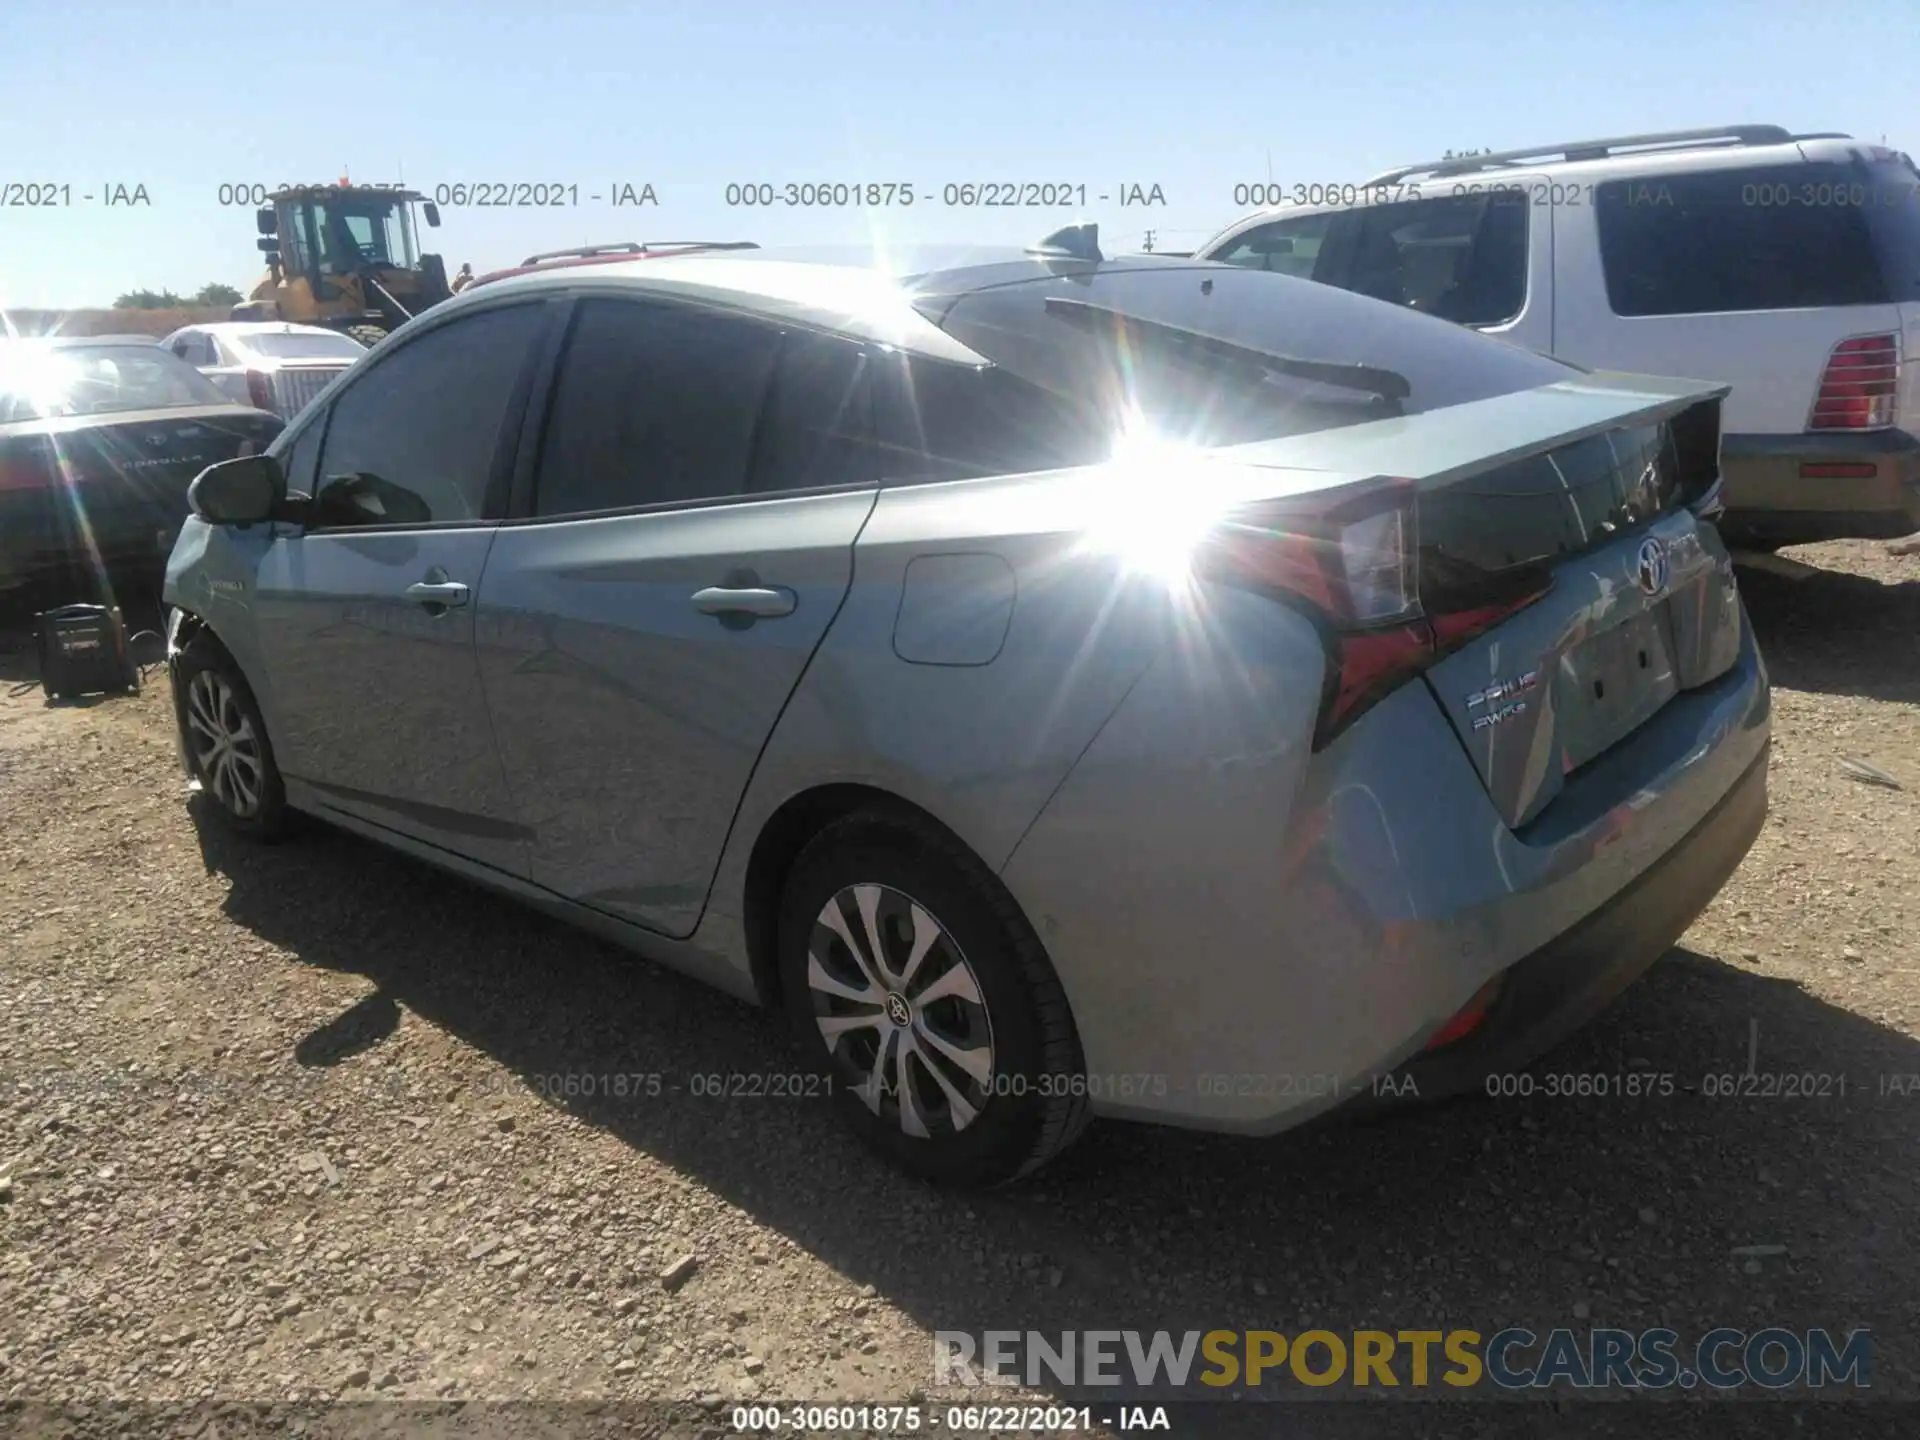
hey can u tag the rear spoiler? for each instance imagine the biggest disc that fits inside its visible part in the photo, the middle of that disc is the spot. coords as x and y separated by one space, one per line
1439 446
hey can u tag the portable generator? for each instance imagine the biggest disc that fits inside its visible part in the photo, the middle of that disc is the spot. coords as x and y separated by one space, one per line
83 651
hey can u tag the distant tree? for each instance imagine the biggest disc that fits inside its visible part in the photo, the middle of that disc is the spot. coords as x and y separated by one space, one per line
217 294
149 300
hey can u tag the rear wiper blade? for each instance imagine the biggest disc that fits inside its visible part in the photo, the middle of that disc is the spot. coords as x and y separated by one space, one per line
1389 385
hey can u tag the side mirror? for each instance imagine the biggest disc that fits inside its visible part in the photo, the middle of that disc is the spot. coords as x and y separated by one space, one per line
238 492
432 212
264 221
268 245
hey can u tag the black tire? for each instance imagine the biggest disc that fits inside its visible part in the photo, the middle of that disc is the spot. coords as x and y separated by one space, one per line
1032 1103
367 335
268 818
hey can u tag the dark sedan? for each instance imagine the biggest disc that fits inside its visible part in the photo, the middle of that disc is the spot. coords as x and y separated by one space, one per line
99 439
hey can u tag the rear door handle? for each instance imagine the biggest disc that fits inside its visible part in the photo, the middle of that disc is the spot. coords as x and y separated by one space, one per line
438 592
763 601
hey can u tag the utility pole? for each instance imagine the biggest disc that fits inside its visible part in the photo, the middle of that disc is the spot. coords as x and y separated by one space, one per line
1147 245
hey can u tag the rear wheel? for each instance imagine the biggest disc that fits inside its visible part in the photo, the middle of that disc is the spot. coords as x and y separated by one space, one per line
918 992
226 743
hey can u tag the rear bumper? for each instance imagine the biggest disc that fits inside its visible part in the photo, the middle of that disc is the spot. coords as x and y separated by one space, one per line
1568 981
1769 501
1250 936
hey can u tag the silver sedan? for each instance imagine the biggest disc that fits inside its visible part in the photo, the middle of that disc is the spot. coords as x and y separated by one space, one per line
1063 686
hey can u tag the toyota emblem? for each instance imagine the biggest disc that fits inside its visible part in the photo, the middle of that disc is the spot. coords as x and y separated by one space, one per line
1650 566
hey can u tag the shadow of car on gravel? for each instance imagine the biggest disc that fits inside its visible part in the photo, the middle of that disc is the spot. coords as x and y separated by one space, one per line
1481 1214
1831 632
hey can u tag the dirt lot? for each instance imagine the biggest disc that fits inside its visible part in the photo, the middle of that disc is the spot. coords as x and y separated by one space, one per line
271 1121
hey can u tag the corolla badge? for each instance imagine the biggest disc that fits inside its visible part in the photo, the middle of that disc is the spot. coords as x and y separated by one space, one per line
1650 567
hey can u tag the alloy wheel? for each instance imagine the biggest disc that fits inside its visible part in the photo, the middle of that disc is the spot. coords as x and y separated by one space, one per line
901 1011
226 747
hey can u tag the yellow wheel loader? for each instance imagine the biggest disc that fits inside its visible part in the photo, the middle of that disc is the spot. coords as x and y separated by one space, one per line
346 257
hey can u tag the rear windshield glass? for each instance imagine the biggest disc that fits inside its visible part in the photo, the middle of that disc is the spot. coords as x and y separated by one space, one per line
1222 356
1762 238
46 382
306 347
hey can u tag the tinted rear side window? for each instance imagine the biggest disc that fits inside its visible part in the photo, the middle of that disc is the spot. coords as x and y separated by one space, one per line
943 421
1772 238
654 403
817 428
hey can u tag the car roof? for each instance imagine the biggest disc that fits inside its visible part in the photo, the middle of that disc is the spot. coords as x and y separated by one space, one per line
1660 151
67 342
1651 157
242 328
865 293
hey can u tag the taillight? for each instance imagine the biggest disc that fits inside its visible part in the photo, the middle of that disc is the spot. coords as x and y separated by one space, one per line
1858 386
1471 1017
1353 555
259 390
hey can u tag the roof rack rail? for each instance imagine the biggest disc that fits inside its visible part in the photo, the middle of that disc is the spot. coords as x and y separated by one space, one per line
1601 149
635 247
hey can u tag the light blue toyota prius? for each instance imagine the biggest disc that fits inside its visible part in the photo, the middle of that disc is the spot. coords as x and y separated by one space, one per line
1063 685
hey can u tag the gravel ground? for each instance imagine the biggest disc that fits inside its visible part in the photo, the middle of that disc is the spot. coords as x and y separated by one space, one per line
274 1122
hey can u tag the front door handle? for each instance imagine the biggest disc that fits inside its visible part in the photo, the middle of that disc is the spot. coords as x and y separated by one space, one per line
760 601
441 594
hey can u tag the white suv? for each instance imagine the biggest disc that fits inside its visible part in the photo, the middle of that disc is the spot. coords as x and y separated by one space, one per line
1786 265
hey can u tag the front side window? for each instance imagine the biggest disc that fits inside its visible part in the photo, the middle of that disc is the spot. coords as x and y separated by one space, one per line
413 439
655 403
1285 247
351 234
1461 258
299 457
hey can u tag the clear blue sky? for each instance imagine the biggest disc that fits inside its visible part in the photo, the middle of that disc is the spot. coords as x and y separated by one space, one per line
688 97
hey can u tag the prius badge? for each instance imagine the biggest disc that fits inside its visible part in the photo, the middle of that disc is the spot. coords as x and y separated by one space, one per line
1502 700
1650 566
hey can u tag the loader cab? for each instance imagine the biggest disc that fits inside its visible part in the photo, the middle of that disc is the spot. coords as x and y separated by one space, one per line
348 254
323 234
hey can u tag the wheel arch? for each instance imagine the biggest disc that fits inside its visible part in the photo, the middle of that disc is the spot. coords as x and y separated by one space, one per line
196 627
786 833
